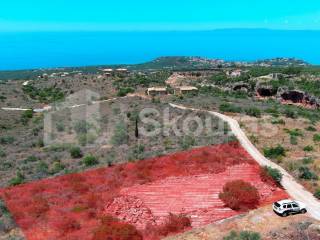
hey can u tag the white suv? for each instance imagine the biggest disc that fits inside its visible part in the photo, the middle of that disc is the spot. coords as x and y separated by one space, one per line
288 207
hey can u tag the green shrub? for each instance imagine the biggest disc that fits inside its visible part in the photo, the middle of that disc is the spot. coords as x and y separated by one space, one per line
290 113
307 174
42 167
317 193
120 135
254 112
316 138
311 129
187 142
244 235
278 121
123 91
308 148
307 160
2 152
87 138
26 116
136 152
31 158
56 167
6 140
294 134
44 95
17 180
274 173
3 209
2 98
75 152
89 160
227 107
81 127
60 127
275 152
293 140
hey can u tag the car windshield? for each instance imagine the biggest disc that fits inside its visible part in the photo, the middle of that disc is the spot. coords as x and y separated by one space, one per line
277 204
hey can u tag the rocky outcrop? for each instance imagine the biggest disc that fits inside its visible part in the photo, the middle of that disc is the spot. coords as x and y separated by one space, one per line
266 91
241 86
288 96
298 97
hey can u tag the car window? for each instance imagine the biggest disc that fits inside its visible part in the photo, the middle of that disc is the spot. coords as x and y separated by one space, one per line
289 206
295 205
284 206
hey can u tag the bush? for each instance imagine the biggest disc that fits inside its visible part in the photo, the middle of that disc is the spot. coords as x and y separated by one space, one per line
307 174
26 116
311 129
86 138
111 228
17 180
290 113
56 167
254 112
75 152
60 126
268 173
6 140
308 160
274 153
316 138
174 224
187 142
90 160
31 158
308 148
317 193
42 167
120 135
136 152
124 91
2 153
240 195
81 127
244 235
278 121
227 107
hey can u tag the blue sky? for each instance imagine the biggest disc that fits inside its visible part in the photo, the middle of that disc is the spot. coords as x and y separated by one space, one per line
46 15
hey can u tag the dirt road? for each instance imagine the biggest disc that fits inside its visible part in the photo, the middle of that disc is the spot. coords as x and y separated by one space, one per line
295 190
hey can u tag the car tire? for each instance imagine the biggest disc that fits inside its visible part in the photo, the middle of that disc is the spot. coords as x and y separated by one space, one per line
303 211
285 214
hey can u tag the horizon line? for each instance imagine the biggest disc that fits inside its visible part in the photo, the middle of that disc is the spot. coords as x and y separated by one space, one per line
156 30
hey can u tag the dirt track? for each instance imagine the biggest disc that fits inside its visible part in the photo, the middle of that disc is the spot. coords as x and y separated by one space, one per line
296 191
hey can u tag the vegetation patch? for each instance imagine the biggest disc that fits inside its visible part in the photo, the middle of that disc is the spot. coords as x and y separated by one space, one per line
240 195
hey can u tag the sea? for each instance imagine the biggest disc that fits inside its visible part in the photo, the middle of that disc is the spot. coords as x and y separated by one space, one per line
32 50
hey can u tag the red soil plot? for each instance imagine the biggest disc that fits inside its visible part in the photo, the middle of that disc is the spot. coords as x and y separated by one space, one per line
142 194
